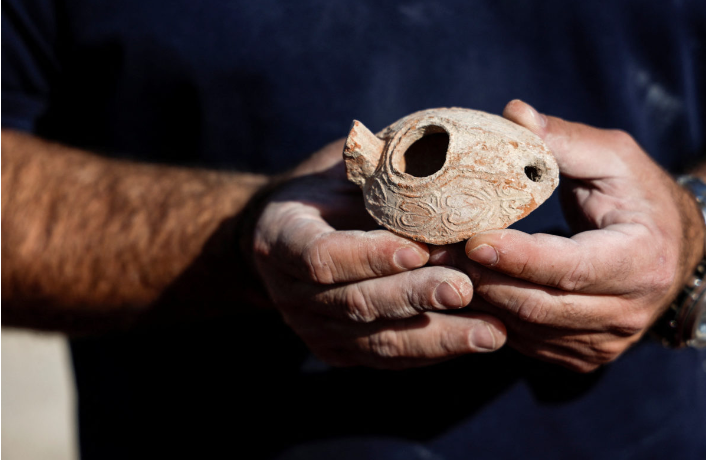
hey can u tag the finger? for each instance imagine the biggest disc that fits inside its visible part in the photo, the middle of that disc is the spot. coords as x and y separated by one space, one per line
394 297
522 331
446 254
533 305
581 353
299 241
431 336
599 261
581 151
570 348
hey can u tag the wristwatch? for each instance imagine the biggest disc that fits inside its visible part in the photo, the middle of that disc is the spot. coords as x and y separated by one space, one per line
684 322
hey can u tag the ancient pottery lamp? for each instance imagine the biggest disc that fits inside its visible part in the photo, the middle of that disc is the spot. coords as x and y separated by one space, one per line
442 175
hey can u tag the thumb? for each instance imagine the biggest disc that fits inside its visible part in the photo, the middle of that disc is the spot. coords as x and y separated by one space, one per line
581 151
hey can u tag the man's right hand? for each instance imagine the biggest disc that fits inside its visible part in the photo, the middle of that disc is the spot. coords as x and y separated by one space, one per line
360 297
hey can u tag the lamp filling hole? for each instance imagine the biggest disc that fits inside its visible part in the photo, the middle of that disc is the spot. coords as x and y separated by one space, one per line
427 154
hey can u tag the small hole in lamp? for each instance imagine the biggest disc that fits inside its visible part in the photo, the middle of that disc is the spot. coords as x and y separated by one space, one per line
534 173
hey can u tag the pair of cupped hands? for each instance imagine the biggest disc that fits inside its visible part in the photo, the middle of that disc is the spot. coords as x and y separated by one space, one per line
360 296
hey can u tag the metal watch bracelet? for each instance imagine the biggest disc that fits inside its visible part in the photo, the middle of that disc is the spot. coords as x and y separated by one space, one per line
684 322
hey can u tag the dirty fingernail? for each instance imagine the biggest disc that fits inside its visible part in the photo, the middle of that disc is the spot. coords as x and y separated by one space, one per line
483 339
440 256
408 258
448 296
484 254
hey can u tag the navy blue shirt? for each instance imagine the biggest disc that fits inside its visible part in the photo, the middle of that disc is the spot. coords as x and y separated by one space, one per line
258 86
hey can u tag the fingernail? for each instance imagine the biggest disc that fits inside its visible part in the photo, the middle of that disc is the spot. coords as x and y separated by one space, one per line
448 296
539 119
483 339
484 254
440 256
408 258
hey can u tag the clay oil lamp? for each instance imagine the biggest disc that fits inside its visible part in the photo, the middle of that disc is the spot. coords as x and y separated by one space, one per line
442 175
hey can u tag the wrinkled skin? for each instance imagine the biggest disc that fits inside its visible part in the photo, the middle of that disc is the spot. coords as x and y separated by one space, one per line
582 301
371 298
358 297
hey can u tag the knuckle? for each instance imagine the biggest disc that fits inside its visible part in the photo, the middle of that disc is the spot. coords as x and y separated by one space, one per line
450 344
417 300
529 309
358 306
658 274
622 138
619 134
608 352
630 324
582 275
386 344
422 294
522 268
417 293
663 279
572 309
372 260
318 263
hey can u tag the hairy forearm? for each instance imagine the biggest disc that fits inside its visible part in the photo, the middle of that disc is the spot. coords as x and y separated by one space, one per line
90 243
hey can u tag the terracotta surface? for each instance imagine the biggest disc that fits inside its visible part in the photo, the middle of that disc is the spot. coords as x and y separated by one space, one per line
442 175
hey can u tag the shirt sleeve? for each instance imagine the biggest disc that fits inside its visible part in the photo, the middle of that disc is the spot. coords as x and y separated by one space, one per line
29 61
